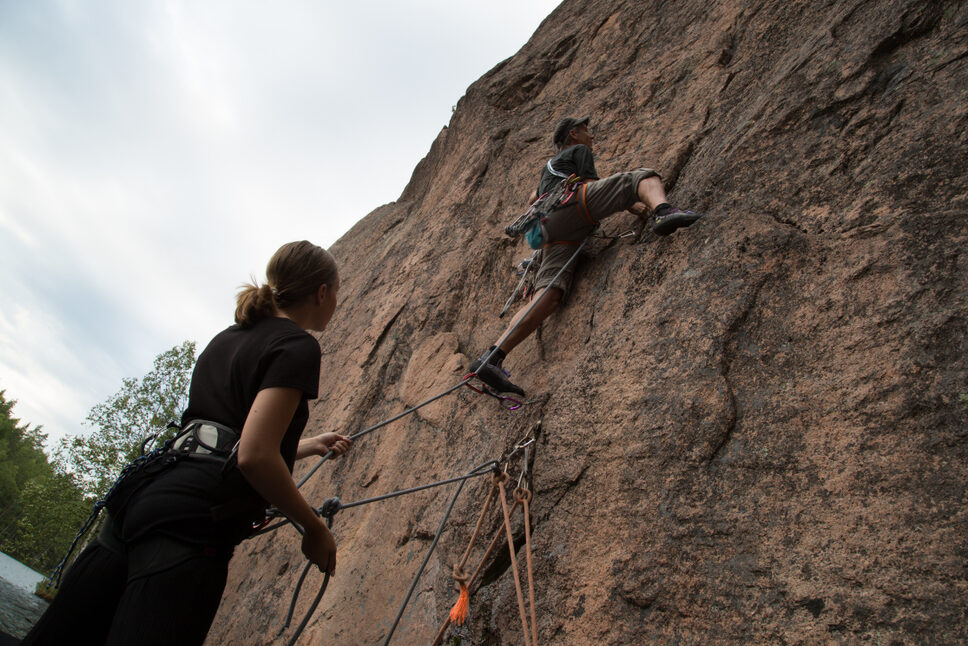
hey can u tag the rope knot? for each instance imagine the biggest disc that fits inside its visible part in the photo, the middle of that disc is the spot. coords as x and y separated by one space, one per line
522 495
330 507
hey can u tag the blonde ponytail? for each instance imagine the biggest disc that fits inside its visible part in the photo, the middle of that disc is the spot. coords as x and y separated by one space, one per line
294 272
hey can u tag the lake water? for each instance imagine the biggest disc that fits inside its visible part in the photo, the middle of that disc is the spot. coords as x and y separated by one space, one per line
19 606
15 572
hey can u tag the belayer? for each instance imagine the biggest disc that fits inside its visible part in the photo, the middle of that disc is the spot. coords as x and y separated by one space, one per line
580 200
156 572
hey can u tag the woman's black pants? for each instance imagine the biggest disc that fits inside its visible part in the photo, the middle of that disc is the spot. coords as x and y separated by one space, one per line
157 593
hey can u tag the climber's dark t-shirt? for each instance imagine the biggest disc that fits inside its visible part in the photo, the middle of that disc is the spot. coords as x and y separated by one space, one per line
576 160
193 501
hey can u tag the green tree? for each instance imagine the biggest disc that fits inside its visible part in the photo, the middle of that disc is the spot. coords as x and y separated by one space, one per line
140 410
53 507
42 505
21 452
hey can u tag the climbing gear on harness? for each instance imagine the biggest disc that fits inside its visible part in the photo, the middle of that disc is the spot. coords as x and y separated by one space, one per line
509 403
531 222
667 220
197 440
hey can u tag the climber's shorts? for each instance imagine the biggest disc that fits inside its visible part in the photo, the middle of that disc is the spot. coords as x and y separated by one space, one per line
594 202
549 261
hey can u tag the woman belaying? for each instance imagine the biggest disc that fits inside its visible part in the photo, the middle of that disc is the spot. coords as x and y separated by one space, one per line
156 572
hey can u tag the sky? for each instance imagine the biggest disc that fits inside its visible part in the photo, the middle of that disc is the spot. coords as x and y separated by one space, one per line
154 154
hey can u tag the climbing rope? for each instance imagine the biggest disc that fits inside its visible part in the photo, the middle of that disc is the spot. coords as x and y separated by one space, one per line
514 562
333 505
331 502
466 585
524 497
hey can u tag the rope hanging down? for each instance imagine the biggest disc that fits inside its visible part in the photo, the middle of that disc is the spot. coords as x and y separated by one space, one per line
333 505
466 585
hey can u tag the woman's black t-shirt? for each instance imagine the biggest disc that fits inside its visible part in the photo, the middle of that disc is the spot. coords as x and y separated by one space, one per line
194 501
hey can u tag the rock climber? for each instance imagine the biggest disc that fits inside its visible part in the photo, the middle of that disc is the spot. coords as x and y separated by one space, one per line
638 191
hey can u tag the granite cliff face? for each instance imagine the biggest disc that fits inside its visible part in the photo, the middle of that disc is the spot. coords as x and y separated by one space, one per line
754 430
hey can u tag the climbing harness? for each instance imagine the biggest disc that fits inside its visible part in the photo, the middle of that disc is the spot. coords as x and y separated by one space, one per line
197 440
531 222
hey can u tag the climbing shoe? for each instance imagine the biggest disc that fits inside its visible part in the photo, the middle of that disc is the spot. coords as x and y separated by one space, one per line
492 374
669 219
496 378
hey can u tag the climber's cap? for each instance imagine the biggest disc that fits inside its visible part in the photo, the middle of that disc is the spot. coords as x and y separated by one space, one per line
565 126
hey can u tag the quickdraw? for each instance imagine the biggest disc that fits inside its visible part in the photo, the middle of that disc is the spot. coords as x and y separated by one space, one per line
510 403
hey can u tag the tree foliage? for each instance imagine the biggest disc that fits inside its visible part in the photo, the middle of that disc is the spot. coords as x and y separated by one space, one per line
41 505
43 500
135 414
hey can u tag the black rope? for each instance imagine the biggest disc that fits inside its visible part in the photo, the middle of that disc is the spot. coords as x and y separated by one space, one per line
333 505
402 492
295 597
430 550
312 609
379 425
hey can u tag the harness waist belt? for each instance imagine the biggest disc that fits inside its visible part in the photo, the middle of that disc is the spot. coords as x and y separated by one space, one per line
203 437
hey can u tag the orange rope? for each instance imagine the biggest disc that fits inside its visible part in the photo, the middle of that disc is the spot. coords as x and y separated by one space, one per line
472 583
480 520
458 613
514 565
524 497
